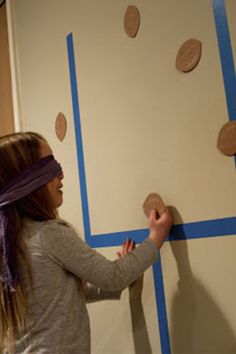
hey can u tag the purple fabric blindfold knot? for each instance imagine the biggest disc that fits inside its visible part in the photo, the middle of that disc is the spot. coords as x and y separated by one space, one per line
30 179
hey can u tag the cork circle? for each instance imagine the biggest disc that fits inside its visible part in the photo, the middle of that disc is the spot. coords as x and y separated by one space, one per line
226 142
188 55
60 126
132 21
153 201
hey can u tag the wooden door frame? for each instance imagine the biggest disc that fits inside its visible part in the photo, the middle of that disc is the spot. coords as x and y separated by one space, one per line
6 101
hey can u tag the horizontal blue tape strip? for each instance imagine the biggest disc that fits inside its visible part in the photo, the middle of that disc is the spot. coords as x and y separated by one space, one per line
203 229
193 230
116 238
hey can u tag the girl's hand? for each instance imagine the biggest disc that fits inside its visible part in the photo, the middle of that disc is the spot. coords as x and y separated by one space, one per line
127 246
159 227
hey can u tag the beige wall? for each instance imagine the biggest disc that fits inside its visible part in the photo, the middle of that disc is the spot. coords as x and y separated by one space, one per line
146 127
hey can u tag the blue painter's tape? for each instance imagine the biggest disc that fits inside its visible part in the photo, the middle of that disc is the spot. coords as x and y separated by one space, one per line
204 229
161 307
226 55
188 231
116 238
78 137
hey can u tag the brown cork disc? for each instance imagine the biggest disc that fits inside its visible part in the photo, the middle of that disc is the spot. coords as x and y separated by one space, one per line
188 55
60 126
153 201
132 21
227 139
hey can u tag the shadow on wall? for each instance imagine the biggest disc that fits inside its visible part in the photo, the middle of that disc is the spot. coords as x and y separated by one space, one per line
197 323
140 334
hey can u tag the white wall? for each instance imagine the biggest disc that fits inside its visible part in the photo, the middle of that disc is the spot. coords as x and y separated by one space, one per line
146 127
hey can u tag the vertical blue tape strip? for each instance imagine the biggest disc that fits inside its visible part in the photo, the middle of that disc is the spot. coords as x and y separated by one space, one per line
226 55
161 307
78 136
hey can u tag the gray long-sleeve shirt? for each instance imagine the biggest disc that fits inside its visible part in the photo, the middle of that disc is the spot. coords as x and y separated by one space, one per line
57 318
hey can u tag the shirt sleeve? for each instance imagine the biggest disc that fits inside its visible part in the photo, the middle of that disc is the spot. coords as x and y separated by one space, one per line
92 294
66 248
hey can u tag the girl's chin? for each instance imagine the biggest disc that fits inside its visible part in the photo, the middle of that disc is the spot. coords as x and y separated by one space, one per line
59 200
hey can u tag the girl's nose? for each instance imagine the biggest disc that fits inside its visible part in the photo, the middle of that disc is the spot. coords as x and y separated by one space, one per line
61 176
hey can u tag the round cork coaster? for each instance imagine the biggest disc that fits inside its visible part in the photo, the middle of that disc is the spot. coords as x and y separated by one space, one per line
153 201
61 126
132 21
227 139
188 55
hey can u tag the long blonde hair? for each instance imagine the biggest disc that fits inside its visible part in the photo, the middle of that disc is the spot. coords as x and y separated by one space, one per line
18 151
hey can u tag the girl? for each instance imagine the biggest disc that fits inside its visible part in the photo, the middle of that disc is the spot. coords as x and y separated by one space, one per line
45 268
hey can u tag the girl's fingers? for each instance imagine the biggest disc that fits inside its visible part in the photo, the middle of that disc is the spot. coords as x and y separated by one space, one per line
152 216
166 217
131 246
127 246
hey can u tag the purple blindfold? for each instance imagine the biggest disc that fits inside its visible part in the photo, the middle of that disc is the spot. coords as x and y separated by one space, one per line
30 179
